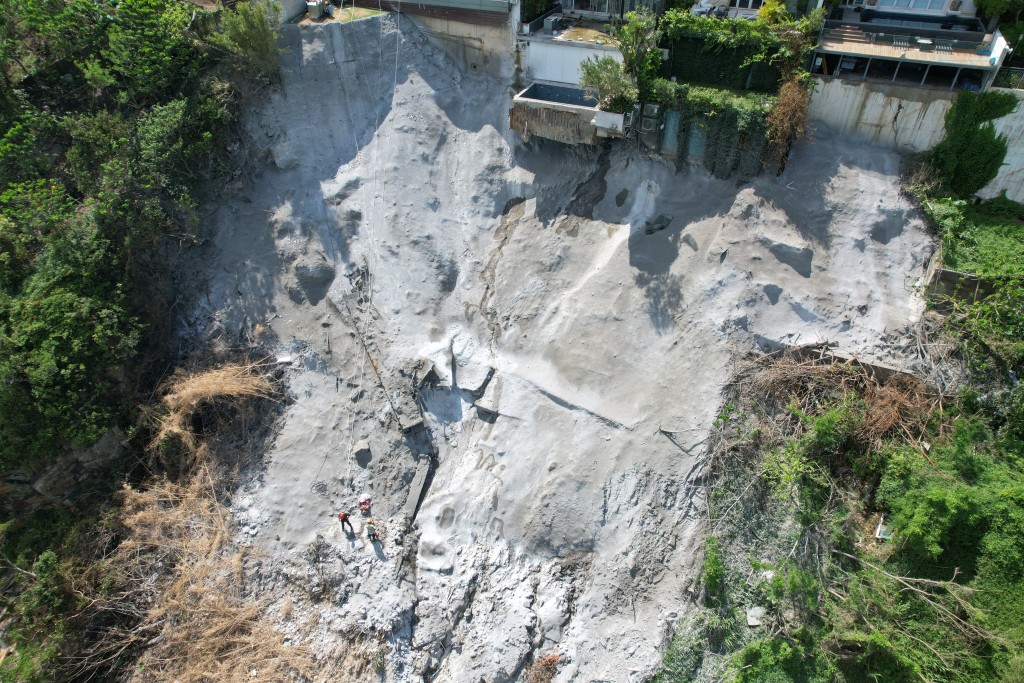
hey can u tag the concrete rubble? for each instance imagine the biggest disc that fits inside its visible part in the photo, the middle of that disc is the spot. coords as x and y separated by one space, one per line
485 337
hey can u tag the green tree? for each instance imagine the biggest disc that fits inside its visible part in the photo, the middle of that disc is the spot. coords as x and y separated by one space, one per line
605 79
638 39
61 344
971 153
249 36
150 50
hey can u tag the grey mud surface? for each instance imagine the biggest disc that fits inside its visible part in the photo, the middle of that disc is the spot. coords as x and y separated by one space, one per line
405 254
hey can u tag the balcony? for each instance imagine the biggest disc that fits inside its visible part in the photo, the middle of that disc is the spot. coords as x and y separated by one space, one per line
935 51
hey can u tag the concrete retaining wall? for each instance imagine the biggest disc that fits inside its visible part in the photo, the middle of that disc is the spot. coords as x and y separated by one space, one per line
564 123
903 118
547 60
910 120
476 48
292 9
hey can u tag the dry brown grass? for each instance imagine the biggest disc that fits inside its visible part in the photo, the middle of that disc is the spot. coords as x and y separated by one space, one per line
542 670
174 601
787 121
899 404
179 570
210 396
175 606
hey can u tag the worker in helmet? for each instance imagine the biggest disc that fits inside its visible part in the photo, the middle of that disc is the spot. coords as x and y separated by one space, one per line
344 520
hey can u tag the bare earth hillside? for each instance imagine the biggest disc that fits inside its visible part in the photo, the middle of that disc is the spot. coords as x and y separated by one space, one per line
564 318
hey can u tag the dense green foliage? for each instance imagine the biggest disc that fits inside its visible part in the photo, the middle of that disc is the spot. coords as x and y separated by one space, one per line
1008 9
942 600
796 510
986 239
727 53
718 67
637 38
971 153
736 53
113 114
619 86
734 124
1014 35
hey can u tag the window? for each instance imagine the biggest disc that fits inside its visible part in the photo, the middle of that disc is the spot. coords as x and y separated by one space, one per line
586 6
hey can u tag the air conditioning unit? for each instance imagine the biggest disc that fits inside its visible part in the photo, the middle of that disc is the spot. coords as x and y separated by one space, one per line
652 110
648 125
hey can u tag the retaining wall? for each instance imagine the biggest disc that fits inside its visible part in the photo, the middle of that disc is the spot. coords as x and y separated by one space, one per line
564 123
476 48
909 119
902 118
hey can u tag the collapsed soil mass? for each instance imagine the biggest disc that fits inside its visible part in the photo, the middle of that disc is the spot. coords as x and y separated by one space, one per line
532 367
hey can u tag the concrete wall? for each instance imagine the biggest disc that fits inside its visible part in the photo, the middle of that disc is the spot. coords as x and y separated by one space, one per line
290 9
903 118
1011 175
912 120
476 48
564 123
546 60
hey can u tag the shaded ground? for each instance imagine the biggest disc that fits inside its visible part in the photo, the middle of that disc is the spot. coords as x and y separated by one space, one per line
573 355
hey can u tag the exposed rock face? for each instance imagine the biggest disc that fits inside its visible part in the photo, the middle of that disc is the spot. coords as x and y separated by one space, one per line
531 368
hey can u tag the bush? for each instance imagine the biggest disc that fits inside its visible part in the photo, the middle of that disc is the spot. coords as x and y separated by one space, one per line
773 12
971 153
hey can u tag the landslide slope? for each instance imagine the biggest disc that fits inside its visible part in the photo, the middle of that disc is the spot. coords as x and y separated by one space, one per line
560 319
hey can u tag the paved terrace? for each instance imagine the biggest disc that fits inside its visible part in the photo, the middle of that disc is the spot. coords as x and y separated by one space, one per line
883 48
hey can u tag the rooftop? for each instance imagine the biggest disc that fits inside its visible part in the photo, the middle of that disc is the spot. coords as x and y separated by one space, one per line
575 30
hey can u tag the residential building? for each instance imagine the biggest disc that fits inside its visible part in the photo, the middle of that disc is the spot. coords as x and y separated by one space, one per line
921 43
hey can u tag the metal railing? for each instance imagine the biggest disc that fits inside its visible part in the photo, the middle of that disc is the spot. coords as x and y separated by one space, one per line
898 36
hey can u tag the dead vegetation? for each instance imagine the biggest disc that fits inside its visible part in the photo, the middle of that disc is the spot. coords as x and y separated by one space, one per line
172 597
202 406
180 569
781 388
787 121
542 670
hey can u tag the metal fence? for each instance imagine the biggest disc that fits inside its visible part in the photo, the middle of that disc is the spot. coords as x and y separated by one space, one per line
1010 77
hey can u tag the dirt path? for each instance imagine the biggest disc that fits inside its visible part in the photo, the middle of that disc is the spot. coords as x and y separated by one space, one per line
415 237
